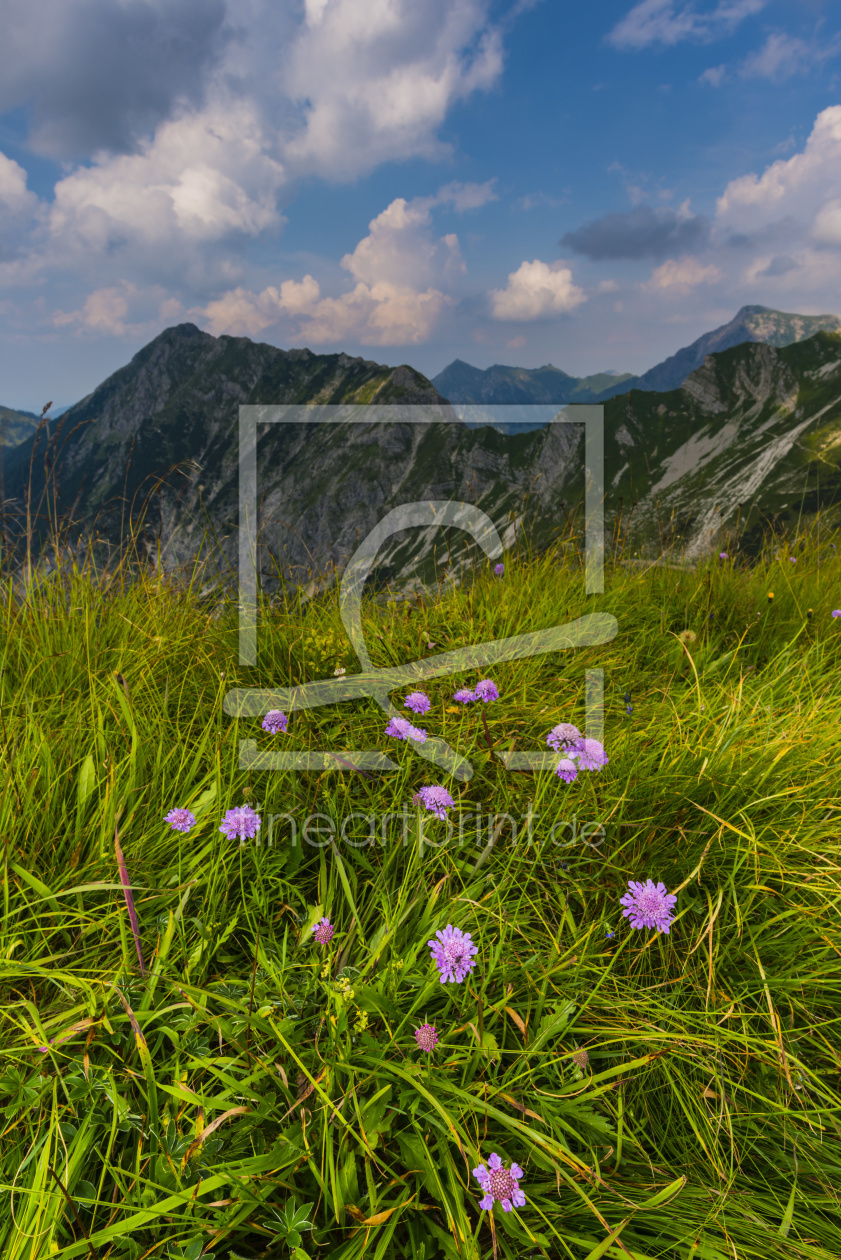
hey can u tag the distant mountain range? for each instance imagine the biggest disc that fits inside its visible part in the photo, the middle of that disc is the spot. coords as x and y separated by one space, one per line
747 438
461 383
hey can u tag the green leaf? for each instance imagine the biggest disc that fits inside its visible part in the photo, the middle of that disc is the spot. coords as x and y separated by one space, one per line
87 780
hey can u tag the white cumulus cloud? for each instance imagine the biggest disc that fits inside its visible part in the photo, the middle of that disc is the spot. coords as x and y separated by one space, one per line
536 290
401 271
681 275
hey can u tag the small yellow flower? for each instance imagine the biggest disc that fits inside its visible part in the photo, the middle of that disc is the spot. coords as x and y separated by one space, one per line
452 708
770 597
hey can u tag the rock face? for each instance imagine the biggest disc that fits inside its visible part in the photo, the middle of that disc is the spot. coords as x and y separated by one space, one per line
754 433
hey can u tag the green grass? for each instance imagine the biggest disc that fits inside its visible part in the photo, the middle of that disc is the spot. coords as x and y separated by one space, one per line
253 1072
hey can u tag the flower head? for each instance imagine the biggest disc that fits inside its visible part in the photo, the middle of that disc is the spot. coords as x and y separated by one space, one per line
435 798
401 728
836 612
648 905
242 823
770 597
275 721
426 1037
590 753
722 555
499 1185
687 636
486 690
564 735
792 559
323 932
452 954
567 770
465 696
180 819
499 569
417 702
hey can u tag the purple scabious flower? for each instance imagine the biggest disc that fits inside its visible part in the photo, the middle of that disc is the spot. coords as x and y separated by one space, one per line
590 753
836 612
465 696
417 702
452 954
435 798
485 691
323 932
565 736
180 819
499 569
567 770
241 823
722 555
426 1037
274 721
401 728
499 1185
648 905
792 559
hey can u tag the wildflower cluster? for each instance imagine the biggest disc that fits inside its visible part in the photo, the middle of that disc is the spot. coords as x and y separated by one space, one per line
401 728
577 753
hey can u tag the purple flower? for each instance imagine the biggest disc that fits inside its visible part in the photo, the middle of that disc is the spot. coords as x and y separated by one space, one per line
722 555
499 1185
610 935
417 702
452 952
499 569
275 721
435 798
648 905
564 736
486 690
401 728
792 559
836 612
180 819
242 823
426 1037
566 770
323 932
464 696
590 753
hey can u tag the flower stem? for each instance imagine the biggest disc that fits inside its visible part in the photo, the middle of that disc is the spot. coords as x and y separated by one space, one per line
487 732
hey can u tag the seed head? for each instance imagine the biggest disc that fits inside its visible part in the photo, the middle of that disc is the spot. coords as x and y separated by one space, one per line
426 1037
499 1185
323 932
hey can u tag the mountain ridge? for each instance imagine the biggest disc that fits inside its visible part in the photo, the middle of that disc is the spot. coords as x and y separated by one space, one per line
751 436
498 385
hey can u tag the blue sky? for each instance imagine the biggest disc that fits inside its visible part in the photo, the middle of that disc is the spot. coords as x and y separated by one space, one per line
410 180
